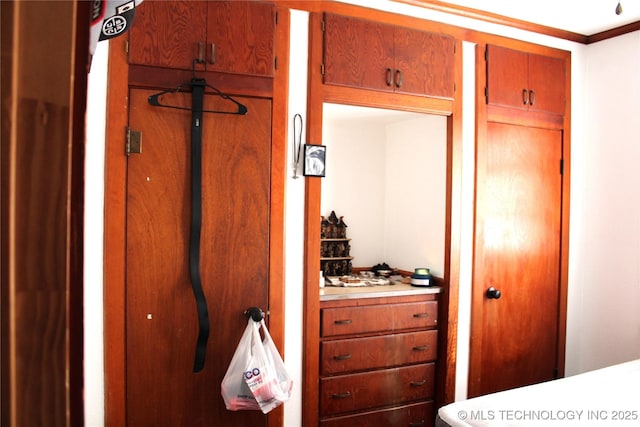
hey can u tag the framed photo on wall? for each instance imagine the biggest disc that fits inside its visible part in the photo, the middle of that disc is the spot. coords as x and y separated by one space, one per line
314 160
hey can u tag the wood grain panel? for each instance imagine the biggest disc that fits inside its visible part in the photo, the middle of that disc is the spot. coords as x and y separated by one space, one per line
507 77
161 314
362 391
167 34
515 338
378 318
358 53
358 354
425 61
547 80
40 260
417 414
243 34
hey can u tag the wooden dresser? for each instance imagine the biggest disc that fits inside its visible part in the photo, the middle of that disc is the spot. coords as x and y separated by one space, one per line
377 359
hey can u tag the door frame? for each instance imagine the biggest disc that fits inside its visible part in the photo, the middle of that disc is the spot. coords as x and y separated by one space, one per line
318 93
117 113
550 121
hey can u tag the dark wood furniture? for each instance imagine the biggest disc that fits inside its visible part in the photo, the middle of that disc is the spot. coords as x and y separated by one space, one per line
526 81
371 55
521 227
224 36
152 328
377 361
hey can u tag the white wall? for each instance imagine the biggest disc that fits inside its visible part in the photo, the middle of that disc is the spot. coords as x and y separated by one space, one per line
387 177
604 311
415 215
354 185
93 238
604 281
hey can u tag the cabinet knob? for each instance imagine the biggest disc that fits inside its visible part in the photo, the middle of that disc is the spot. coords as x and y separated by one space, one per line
525 96
493 293
388 76
532 97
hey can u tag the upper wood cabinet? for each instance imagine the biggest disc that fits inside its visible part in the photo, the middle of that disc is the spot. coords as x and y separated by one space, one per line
226 36
525 81
370 55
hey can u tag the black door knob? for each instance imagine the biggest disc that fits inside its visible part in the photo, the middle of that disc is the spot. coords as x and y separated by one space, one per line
493 293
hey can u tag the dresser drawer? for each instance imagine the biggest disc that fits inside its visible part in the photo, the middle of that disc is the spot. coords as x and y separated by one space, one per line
415 415
359 354
378 318
366 390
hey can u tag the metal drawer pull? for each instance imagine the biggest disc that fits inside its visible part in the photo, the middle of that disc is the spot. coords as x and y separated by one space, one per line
341 395
421 315
421 348
532 97
525 96
416 423
388 76
418 383
200 59
343 322
342 357
398 78
212 60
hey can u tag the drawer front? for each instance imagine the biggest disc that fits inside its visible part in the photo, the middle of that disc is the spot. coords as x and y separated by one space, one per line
367 390
415 415
359 354
379 318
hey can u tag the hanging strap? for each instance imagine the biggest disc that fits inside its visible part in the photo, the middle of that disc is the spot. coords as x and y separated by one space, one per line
196 223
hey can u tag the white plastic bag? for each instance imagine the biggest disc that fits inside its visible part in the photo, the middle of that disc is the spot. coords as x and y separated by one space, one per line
256 377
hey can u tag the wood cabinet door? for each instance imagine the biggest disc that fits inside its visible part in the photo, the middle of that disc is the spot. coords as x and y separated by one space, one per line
228 36
547 78
507 77
168 33
161 317
424 63
514 339
241 37
358 53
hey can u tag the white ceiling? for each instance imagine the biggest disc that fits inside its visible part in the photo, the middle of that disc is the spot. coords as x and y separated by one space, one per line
584 17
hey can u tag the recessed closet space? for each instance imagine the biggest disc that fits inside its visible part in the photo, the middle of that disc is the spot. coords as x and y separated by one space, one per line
386 175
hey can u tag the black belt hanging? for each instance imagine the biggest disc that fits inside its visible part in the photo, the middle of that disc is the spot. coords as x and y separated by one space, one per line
196 224
198 87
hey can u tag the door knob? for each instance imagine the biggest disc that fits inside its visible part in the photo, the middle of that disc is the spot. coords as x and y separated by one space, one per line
493 293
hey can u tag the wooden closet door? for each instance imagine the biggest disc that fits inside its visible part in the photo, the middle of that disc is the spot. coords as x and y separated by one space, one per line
161 319
518 220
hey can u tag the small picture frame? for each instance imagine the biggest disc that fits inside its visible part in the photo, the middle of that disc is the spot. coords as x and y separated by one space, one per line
314 160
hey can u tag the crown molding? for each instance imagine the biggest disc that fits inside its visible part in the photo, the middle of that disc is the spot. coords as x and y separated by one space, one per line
520 24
